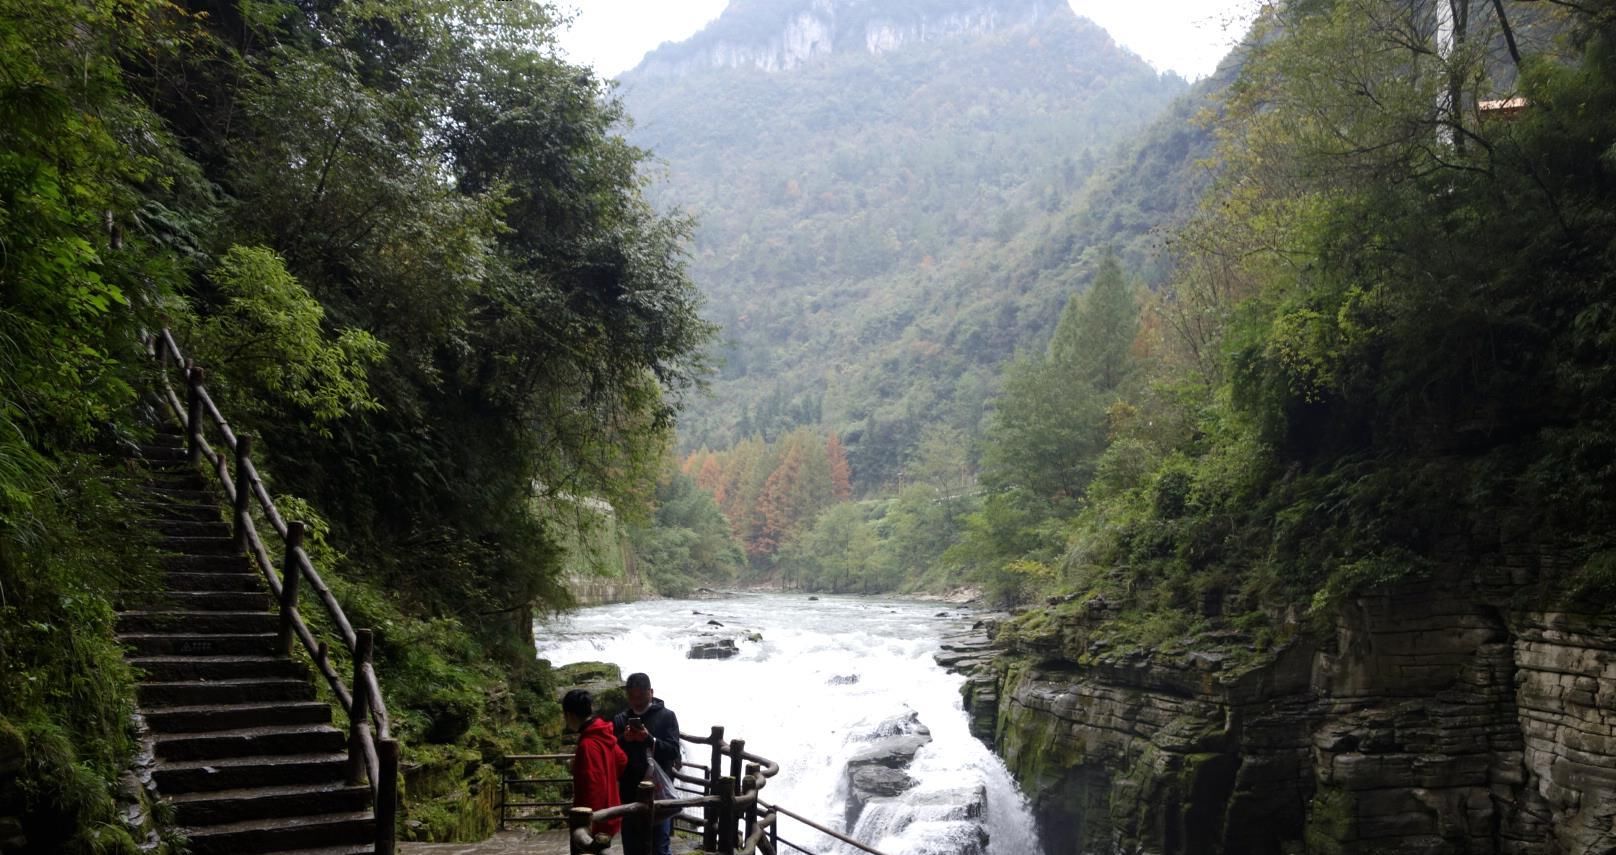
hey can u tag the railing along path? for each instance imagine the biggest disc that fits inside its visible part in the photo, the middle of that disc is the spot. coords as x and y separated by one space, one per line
735 820
372 751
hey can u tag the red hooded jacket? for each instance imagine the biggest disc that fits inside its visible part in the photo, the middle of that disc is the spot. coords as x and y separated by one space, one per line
595 770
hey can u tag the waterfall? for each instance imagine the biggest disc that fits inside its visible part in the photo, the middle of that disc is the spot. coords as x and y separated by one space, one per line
817 685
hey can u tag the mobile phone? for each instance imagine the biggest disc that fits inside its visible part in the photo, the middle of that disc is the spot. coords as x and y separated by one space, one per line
634 721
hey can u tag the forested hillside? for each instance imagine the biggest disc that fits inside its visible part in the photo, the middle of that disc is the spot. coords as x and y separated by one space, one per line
885 220
993 224
408 246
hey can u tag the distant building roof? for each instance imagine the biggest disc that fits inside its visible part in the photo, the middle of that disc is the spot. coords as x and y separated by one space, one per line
1502 108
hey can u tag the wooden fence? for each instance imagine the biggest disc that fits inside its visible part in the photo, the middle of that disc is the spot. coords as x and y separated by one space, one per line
734 819
373 754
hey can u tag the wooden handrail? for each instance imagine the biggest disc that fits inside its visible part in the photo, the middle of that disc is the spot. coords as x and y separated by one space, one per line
736 820
372 751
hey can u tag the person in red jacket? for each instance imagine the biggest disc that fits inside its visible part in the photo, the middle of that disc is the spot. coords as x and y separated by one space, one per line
598 762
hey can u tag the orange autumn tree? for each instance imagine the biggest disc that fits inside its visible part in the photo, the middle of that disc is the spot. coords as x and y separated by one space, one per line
841 474
770 493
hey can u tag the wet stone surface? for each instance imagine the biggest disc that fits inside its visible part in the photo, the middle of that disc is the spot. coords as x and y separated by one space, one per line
522 843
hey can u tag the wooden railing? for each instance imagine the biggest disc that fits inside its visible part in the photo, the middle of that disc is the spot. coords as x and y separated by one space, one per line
372 751
734 818
513 784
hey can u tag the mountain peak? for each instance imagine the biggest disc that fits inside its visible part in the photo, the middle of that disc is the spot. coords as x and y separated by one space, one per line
779 35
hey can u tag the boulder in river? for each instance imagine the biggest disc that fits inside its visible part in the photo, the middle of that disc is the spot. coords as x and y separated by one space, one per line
716 648
843 680
877 771
893 752
949 820
865 783
898 725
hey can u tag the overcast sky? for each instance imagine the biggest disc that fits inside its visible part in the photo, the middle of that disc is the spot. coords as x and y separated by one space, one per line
1186 36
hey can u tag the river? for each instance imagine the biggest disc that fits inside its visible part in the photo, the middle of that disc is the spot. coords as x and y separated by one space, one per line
826 675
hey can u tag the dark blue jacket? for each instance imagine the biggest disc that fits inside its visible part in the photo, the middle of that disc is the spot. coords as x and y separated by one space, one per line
664 728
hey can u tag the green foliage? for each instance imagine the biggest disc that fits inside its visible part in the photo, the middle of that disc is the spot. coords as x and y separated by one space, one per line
880 231
689 542
65 691
78 154
416 264
1371 360
267 333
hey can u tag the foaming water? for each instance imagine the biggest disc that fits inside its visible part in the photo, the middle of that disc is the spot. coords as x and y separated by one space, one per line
823 675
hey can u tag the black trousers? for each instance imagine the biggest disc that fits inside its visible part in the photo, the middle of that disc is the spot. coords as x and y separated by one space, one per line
634 840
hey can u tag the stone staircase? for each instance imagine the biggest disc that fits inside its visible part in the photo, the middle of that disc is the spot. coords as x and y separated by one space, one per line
248 757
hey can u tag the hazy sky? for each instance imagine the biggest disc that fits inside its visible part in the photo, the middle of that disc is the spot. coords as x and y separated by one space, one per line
1186 36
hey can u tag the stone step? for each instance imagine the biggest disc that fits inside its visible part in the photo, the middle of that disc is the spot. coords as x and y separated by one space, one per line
173 669
207 563
201 719
192 528
250 742
194 582
193 693
293 800
196 601
195 776
169 495
167 467
199 545
219 601
168 478
199 643
154 510
278 835
162 621
162 451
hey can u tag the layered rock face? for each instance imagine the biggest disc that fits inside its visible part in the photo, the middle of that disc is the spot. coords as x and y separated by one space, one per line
1451 716
753 36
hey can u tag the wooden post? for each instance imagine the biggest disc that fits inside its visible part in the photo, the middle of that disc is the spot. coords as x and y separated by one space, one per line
578 819
736 747
361 707
243 490
291 574
505 789
749 785
709 813
647 799
387 795
726 815
193 413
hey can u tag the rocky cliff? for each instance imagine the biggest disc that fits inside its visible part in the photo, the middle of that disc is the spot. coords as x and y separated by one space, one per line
779 36
1455 715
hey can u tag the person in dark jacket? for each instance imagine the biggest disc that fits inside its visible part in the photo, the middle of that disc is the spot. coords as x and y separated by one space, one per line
597 766
649 732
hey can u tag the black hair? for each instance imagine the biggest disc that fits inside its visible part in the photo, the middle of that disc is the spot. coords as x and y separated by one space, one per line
578 703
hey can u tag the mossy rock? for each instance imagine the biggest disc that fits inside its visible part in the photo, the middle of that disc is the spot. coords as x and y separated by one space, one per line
1329 821
586 672
13 749
603 681
466 810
